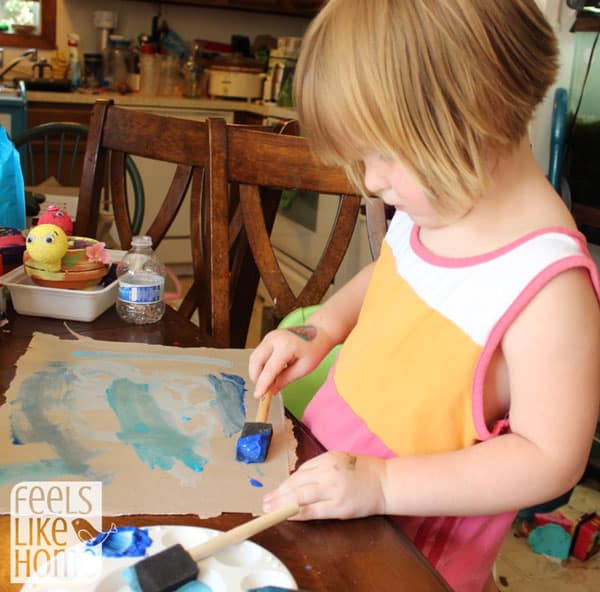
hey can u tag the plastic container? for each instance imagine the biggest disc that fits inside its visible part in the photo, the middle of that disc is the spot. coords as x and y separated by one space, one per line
169 75
74 60
149 70
141 278
57 303
92 69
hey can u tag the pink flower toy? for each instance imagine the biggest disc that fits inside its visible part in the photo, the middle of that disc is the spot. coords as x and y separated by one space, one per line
97 252
54 215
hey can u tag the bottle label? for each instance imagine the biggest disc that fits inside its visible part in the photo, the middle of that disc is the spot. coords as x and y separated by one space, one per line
136 294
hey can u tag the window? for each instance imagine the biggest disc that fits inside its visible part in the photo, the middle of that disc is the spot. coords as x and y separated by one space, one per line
40 14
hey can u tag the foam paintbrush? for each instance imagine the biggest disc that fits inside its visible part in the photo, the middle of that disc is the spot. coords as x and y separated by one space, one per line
253 443
175 566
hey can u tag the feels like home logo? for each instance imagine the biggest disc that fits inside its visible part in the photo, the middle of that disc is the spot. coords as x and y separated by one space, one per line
47 519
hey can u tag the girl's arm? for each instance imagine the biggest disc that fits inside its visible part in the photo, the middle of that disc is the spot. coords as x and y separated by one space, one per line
552 352
285 355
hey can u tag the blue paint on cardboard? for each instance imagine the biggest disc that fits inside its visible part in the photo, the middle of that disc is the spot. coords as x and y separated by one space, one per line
152 356
38 415
255 483
144 428
40 470
229 401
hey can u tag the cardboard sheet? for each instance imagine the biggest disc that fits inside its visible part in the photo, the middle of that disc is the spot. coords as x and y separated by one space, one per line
158 425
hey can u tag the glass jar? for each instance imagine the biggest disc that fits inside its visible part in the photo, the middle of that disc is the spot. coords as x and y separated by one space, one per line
118 62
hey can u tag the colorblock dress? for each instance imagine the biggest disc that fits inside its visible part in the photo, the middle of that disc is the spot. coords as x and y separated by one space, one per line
409 378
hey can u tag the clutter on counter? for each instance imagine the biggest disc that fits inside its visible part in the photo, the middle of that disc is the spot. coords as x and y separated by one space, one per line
162 64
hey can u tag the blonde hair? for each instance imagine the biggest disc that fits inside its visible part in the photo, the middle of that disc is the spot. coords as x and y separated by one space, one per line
441 85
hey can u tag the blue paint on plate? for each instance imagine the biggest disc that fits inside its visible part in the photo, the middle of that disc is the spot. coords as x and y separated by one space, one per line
125 541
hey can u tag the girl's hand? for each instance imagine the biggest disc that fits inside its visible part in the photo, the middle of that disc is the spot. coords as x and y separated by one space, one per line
284 355
333 485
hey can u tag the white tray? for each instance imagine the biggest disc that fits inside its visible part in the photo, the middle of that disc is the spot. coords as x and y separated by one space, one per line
235 569
72 305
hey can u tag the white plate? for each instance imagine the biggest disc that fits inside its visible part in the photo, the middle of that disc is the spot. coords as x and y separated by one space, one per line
238 568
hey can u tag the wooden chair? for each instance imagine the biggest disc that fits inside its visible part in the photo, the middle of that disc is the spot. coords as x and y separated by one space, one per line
57 149
116 134
260 165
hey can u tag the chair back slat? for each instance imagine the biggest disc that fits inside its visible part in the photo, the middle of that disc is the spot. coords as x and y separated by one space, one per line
171 203
116 134
262 249
262 164
74 158
118 193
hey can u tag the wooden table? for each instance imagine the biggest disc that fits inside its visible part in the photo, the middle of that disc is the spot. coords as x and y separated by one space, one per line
368 554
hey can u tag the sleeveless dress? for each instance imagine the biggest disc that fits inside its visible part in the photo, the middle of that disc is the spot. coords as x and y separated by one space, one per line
409 378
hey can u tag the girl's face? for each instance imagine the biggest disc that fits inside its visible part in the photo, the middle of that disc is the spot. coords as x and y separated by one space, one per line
397 186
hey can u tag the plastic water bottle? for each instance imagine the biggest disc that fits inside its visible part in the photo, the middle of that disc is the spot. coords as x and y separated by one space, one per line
141 284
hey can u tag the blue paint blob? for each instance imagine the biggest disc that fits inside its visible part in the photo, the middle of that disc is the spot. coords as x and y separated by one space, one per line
269 589
130 576
145 429
37 416
186 418
125 541
194 586
255 483
229 401
131 579
252 448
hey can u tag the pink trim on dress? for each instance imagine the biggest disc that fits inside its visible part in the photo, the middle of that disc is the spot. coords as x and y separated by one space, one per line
498 331
439 260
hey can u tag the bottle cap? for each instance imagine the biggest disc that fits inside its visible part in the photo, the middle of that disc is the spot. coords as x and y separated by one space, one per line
141 241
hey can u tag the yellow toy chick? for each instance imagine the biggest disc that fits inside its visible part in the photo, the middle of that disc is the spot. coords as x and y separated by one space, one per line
47 244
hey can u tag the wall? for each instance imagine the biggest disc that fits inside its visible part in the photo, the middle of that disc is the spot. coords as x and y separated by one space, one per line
562 17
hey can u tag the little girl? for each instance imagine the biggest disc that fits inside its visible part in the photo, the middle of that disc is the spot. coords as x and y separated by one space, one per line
469 380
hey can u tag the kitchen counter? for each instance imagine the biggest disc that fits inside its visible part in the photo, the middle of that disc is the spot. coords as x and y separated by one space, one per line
137 100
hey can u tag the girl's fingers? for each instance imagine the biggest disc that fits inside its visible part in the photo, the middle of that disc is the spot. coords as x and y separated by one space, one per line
268 377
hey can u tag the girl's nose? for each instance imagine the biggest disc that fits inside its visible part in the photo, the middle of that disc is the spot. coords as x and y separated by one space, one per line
375 180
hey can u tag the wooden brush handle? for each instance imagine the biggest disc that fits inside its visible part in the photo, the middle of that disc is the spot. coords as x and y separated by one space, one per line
242 532
264 405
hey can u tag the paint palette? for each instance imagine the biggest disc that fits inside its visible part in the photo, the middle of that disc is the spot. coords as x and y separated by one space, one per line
238 568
